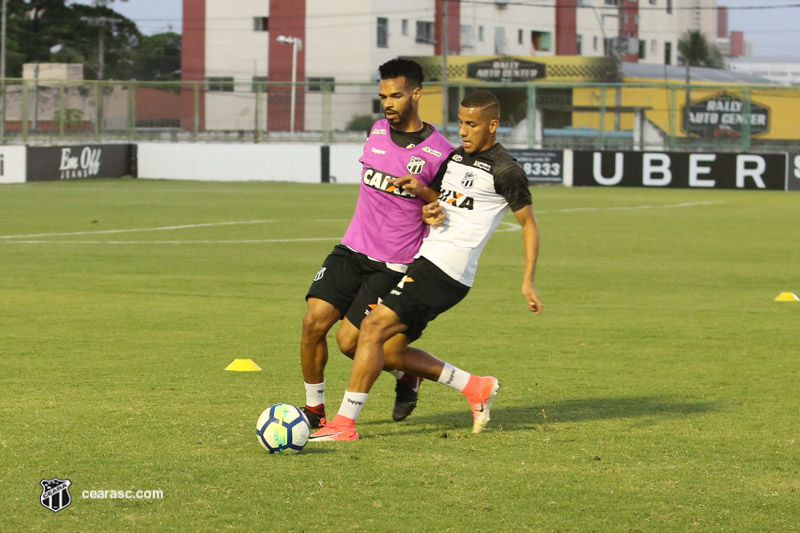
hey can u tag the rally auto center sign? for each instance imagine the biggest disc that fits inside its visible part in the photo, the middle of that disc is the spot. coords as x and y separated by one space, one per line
506 69
723 115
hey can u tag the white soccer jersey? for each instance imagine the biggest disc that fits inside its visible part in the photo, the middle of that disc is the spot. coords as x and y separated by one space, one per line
475 192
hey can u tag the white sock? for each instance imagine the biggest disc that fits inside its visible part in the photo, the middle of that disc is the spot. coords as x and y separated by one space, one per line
315 394
352 404
398 374
454 377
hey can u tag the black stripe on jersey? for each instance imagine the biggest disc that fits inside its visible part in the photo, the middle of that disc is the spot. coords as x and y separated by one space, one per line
510 179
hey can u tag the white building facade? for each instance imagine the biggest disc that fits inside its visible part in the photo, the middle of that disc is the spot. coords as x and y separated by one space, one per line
233 47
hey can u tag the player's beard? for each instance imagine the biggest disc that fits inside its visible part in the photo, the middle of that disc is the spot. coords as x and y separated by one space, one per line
399 117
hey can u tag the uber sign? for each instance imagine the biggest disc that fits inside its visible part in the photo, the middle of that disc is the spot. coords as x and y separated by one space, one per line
680 170
793 181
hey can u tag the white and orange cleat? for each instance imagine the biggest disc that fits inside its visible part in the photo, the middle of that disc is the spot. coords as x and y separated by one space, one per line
340 428
481 401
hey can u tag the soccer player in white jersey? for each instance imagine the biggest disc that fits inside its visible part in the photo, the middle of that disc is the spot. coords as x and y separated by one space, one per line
480 181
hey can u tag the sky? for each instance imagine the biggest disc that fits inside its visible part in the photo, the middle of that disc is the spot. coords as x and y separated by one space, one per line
772 31
151 16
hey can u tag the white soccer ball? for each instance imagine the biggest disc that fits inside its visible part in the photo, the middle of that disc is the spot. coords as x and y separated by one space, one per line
283 428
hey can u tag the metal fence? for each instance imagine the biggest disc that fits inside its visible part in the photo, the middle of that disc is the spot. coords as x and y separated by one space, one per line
538 115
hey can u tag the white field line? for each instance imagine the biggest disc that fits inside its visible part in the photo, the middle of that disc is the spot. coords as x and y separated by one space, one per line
162 228
505 226
242 241
513 226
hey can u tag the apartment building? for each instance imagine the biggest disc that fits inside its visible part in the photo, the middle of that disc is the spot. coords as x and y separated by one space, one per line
249 42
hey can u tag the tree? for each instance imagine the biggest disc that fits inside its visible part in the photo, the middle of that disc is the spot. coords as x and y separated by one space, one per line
698 52
37 27
158 57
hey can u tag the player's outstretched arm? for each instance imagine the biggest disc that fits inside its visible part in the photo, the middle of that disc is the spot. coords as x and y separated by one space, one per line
412 185
530 240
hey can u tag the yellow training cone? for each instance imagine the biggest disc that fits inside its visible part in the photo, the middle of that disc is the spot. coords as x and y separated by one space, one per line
243 365
787 297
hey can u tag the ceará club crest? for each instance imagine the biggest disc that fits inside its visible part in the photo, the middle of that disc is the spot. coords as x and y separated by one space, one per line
415 165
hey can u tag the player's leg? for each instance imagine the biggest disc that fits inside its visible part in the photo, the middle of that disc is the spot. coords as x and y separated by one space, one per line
427 293
479 390
320 316
347 338
332 291
376 285
381 324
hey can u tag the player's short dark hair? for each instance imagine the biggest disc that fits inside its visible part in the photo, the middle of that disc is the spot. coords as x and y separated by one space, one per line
485 101
411 70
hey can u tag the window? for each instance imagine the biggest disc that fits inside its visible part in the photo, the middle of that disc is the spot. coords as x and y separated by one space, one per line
219 83
499 40
404 26
653 2
258 84
315 83
260 23
541 40
611 2
594 42
642 49
579 45
425 33
653 46
667 53
377 108
383 32
608 46
669 7
519 36
467 36
480 33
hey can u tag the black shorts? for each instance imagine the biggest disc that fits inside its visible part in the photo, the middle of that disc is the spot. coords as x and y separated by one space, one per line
423 294
352 282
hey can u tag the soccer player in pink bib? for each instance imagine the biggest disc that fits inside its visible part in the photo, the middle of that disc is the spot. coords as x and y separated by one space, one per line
401 157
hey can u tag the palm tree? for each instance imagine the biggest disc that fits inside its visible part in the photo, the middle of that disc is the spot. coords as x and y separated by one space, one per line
698 52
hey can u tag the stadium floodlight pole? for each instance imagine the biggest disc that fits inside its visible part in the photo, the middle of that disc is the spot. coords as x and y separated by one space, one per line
297 44
101 23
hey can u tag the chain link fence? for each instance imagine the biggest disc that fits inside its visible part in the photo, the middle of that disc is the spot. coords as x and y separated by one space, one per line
635 116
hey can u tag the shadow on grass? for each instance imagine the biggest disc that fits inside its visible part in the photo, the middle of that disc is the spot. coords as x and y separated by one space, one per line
522 417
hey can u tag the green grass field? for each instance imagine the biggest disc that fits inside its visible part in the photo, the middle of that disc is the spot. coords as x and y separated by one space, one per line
658 391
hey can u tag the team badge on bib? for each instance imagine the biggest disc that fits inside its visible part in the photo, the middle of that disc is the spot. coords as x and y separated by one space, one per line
415 165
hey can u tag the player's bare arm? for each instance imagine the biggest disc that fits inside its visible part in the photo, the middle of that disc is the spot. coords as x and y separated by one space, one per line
412 185
530 239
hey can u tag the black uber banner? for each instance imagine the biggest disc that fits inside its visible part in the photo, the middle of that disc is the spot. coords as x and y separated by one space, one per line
680 170
793 179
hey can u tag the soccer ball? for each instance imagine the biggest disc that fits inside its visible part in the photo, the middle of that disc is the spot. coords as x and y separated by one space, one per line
282 428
